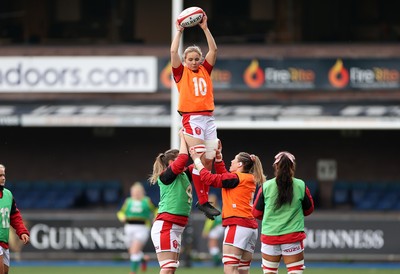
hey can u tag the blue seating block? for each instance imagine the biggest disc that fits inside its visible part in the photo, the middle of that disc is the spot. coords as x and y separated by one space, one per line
111 192
153 191
390 200
341 193
93 192
359 191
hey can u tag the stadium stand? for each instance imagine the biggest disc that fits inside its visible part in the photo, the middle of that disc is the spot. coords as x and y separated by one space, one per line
372 196
41 194
359 191
375 195
103 193
20 190
341 194
313 187
391 198
93 192
111 192
56 194
153 191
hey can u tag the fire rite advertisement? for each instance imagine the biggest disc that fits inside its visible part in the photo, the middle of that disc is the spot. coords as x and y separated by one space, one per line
312 74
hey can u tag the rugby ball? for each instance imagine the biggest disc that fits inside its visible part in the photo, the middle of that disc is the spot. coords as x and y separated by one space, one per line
190 17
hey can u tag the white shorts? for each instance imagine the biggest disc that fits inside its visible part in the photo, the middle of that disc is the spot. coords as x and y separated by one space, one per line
283 249
199 126
136 233
241 237
6 256
216 232
166 236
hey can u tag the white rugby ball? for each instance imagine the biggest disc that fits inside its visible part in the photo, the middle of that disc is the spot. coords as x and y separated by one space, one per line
190 17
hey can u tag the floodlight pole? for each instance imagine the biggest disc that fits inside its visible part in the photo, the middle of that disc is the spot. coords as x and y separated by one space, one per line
177 7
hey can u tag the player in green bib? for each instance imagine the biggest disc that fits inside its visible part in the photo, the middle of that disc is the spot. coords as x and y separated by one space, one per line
281 204
10 217
173 178
137 214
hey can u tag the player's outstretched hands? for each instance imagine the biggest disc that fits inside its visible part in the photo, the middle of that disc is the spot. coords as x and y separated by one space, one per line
218 152
178 26
203 23
180 133
194 154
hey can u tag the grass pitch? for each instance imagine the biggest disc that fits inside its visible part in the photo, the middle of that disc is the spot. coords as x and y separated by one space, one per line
184 270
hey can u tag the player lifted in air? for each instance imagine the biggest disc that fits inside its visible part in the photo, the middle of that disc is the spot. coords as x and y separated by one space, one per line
192 75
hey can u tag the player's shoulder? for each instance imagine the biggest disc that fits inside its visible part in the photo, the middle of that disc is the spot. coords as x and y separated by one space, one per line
6 190
298 181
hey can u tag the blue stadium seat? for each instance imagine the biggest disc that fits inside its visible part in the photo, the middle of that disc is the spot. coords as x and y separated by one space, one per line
374 196
341 193
62 195
388 201
358 192
17 195
93 192
27 193
153 191
65 201
37 193
111 192
51 195
76 186
23 204
391 199
58 186
22 186
10 185
313 187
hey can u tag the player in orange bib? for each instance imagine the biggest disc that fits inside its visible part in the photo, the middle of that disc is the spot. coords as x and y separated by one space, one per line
196 104
238 188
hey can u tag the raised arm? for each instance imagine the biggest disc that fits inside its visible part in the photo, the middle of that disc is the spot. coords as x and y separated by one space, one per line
223 180
178 165
175 58
211 55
